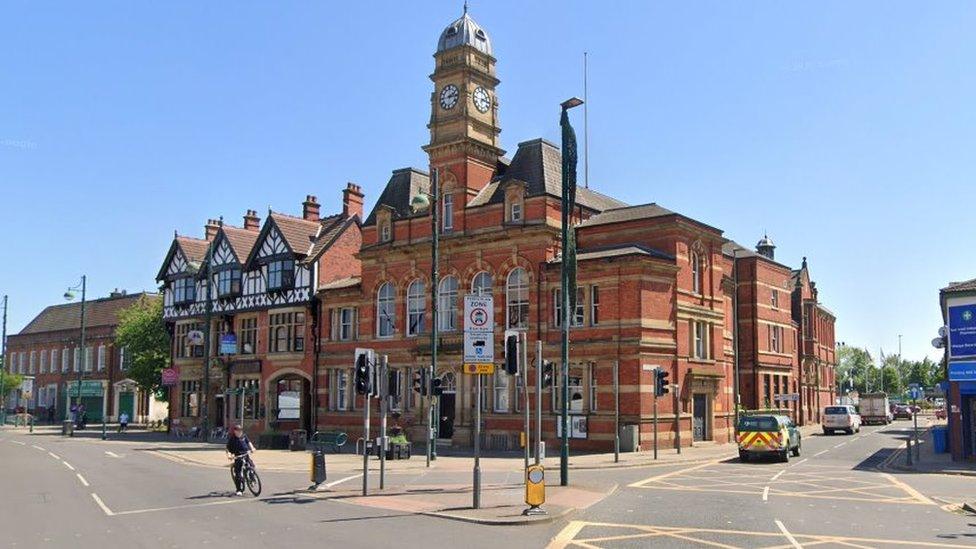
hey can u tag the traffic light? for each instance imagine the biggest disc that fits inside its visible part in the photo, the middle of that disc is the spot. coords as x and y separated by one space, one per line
511 354
435 387
420 384
661 384
548 369
364 377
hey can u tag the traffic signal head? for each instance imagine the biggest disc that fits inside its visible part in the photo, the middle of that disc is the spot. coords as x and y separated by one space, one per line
420 384
435 387
363 375
548 370
661 383
511 354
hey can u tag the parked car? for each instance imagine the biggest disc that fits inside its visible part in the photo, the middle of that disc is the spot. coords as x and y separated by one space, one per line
841 418
765 435
902 411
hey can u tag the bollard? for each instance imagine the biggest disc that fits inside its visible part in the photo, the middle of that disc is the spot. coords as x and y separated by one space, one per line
32 423
909 452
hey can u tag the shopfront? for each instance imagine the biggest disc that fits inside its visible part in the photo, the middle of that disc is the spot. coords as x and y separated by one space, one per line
92 398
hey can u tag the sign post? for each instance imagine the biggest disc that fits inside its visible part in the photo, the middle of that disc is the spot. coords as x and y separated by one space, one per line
479 359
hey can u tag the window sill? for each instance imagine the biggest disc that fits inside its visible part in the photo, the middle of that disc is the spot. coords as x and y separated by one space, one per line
701 360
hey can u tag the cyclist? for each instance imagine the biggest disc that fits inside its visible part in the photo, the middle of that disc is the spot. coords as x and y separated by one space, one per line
239 445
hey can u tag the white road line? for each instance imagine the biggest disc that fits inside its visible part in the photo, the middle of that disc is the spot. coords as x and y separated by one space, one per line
776 476
801 462
820 453
55 456
112 454
82 479
788 535
839 445
36 447
101 504
19 442
766 493
341 480
68 465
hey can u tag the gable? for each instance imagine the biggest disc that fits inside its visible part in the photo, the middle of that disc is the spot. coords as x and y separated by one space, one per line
271 243
223 254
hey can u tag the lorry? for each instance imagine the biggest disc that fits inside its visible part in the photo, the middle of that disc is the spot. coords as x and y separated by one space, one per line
875 409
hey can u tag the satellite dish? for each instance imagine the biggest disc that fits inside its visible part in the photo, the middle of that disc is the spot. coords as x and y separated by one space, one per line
938 342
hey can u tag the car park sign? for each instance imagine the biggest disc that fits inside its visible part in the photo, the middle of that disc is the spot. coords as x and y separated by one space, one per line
479 332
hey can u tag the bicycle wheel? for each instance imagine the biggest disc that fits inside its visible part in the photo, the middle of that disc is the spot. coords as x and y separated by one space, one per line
253 482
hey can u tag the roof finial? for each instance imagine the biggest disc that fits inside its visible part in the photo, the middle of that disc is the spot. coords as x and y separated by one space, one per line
465 7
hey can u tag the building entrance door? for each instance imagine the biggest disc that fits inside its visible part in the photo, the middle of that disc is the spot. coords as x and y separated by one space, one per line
446 412
127 401
699 419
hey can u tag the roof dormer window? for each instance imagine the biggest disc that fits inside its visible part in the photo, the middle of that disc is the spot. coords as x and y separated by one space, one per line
480 35
385 232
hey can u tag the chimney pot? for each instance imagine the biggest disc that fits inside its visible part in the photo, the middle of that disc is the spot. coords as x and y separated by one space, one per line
251 221
210 229
352 200
310 208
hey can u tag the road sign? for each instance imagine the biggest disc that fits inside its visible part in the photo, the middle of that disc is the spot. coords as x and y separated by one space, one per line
938 342
486 369
789 397
228 344
962 328
479 329
535 485
171 376
916 393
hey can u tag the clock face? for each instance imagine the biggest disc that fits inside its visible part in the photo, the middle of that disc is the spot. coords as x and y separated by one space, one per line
449 96
482 101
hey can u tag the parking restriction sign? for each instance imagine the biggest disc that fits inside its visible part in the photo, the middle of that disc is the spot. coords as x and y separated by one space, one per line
479 328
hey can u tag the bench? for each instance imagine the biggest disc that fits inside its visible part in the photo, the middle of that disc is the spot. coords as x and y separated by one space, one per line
323 440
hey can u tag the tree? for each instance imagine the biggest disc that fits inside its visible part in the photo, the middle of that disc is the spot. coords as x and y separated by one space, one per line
142 333
854 363
10 382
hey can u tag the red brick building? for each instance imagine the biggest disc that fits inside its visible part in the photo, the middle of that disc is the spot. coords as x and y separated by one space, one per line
817 346
263 294
48 350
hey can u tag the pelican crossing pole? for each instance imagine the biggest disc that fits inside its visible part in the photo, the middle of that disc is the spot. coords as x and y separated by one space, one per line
479 360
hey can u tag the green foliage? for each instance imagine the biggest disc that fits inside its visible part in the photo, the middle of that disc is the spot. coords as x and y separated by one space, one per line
893 377
10 381
143 334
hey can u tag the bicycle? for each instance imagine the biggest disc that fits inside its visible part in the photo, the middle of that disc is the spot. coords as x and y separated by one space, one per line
250 474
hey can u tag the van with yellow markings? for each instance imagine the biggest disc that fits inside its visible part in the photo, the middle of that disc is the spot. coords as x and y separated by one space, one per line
768 435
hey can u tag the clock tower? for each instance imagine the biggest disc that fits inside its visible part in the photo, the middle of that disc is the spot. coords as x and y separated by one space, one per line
464 108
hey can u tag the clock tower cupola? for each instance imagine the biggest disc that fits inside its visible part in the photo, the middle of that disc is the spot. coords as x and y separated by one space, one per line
464 144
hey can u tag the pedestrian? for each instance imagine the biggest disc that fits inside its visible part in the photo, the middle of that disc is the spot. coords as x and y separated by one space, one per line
123 421
84 420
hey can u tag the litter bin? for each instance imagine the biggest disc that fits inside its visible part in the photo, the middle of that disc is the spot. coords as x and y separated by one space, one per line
297 440
67 428
940 440
317 471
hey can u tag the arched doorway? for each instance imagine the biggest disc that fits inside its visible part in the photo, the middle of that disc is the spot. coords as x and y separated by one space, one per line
289 403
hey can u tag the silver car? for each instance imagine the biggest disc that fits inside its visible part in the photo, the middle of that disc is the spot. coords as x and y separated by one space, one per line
841 418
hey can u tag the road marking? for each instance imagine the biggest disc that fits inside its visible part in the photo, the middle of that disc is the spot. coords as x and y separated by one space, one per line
563 538
68 465
19 442
341 480
101 504
641 483
776 476
36 447
55 456
112 454
82 479
766 493
228 501
913 492
822 452
801 462
788 535
839 445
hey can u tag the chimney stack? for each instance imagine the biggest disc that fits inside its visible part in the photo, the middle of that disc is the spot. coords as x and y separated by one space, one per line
210 229
310 208
352 200
251 221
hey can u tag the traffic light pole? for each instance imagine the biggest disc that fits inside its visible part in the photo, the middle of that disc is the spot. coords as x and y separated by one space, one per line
539 372
384 389
616 411
677 419
429 422
655 423
366 405
524 356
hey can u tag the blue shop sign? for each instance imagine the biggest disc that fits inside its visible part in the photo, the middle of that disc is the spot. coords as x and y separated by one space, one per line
962 331
228 344
962 371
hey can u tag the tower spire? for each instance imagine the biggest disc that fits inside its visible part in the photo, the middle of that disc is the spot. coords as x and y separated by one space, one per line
465 7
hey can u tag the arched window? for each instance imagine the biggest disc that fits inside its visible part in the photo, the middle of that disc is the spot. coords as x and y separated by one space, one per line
517 299
447 304
696 274
481 284
385 311
416 307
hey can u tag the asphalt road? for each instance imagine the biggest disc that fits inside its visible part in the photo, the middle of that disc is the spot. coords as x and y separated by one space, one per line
61 492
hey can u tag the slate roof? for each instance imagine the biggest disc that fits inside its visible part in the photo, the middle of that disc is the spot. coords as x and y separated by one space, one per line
628 213
403 185
616 251
964 286
538 164
739 249
98 312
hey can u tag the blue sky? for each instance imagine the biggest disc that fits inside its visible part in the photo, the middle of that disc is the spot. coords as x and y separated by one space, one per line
844 129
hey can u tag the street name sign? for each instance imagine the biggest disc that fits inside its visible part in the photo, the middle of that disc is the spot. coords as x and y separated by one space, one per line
479 332
790 397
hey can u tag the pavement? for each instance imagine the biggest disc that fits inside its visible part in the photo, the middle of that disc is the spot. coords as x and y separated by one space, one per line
138 490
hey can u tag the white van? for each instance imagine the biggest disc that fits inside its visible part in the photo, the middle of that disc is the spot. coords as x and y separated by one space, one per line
841 418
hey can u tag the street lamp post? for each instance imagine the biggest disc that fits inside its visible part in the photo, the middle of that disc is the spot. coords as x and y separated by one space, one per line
70 295
568 271
6 367
430 201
